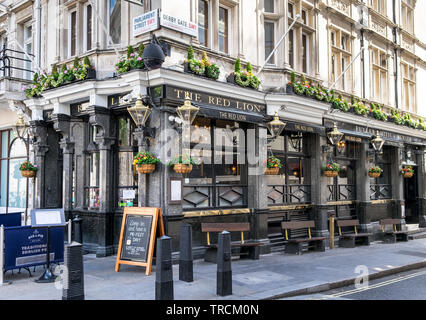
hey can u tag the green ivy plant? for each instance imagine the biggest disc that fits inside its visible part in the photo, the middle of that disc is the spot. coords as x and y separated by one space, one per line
359 107
377 112
341 104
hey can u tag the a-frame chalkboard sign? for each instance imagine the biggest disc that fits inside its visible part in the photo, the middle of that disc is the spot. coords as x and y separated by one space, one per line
138 236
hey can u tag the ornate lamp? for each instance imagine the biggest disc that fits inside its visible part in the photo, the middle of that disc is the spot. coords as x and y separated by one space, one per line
341 145
377 142
335 135
187 112
295 139
21 128
276 126
139 112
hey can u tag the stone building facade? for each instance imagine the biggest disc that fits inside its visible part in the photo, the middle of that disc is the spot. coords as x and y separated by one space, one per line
83 139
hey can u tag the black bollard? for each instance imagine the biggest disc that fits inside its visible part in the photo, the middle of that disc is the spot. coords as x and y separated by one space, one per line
185 255
224 270
73 276
78 229
163 269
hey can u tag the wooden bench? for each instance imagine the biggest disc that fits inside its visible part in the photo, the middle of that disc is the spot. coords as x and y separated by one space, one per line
349 240
295 245
392 236
241 248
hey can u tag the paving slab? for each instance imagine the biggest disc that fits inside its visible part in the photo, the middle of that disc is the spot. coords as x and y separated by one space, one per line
275 275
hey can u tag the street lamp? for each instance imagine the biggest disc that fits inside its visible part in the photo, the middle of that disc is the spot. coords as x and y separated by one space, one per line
139 112
377 142
187 112
21 128
335 135
276 126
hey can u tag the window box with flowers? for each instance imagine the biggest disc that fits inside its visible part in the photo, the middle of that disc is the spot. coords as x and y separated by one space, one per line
132 60
28 170
377 113
331 170
359 108
145 162
245 78
375 172
201 67
182 164
341 104
407 171
273 165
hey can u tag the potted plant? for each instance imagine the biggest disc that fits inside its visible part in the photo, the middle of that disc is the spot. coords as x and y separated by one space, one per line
28 170
341 104
245 78
377 113
291 83
331 170
211 70
375 172
182 164
273 165
358 107
407 171
145 162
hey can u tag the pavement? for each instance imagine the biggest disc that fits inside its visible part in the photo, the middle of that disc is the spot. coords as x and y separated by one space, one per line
273 276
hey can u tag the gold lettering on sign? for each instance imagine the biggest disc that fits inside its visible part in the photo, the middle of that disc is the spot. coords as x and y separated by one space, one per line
178 92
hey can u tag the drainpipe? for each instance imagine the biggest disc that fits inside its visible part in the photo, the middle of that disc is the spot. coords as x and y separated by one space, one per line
37 5
395 51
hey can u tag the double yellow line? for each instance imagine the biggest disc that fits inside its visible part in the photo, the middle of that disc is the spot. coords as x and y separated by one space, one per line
378 285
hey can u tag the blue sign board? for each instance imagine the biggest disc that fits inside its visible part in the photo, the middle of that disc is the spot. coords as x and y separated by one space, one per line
11 219
27 247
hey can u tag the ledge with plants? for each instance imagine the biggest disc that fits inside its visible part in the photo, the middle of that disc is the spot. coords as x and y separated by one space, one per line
243 78
145 162
273 165
356 106
78 72
182 164
131 61
201 67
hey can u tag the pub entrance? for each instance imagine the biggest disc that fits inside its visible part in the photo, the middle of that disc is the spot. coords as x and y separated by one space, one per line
411 196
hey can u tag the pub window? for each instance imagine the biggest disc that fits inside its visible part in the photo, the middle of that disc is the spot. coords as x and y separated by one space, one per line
14 187
28 42
127 175
92 158
203 22
223 29
220 180
291 48
305 52
341 51
291 185
408 87
379 74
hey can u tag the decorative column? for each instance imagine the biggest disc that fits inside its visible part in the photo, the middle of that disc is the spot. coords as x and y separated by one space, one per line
62 125
397 184
142 185
319 183
100 117
363 189
421 205
40 147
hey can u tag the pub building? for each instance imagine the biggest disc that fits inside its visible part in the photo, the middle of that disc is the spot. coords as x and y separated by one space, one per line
84 141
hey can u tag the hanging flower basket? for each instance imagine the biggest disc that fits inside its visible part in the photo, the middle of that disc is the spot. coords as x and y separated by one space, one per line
374 174
408 175
331 174
272 171
407 172
182 168
145 168
28 173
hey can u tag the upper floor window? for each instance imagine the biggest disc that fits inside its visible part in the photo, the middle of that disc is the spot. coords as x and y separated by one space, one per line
340 58
203 22
88 27
223 29
300 38
269 40
269 6
407 15
115 21
408 87
72 33
379 6
28 44
379 68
